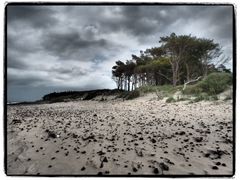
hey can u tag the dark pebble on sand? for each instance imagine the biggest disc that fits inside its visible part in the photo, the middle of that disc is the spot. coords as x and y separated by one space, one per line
107 172
49 166
223 164
198 139
75 136
153 141
164 167
215 167
182 133
105 159
218 163
83 168
207 155
155 171
134 169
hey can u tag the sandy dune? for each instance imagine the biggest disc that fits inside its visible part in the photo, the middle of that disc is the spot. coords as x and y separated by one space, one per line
139 136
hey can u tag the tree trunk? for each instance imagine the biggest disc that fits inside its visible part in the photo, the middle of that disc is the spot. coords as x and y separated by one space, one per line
125 83
128 83
188 72
175 71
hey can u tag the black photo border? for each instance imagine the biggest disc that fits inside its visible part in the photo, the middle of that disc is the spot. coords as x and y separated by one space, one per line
234 64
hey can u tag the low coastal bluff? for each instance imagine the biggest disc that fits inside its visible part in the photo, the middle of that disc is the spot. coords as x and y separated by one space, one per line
216 86
100 95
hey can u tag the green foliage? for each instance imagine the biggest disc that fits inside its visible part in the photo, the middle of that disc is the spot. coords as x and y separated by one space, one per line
128 95
133 94
177 59
201 97
214 97
164 89
213 84
183 99
170 100
205 97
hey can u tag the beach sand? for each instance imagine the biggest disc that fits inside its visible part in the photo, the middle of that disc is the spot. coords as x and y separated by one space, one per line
135 137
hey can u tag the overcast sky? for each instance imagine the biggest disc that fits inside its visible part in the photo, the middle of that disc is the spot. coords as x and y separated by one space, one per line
57 48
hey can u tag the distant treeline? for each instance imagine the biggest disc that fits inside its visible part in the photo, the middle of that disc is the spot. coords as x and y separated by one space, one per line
178 59
83 95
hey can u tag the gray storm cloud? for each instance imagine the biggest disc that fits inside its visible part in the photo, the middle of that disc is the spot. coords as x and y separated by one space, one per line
56 48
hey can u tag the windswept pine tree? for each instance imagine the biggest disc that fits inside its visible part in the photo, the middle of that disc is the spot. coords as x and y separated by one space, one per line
179 59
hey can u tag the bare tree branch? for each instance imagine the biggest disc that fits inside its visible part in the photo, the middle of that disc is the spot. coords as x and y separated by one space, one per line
164 76
191 81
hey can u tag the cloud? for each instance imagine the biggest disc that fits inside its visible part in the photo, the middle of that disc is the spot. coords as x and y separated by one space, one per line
36 16
72 45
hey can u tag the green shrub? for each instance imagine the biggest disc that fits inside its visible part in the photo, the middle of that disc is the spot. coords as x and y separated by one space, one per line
183 99
214 97
213 84
132 94
170 100
201 97
228 97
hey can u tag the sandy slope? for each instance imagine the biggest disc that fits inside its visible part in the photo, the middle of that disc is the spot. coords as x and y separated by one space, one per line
115 137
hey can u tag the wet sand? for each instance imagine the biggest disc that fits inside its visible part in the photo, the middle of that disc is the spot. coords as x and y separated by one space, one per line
135 137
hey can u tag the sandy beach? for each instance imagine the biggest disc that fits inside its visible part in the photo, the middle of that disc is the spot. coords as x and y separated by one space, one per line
136 137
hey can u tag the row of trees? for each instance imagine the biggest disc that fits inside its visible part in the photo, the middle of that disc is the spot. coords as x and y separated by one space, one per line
178 59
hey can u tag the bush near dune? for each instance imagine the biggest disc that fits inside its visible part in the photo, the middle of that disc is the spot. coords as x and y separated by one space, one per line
214 83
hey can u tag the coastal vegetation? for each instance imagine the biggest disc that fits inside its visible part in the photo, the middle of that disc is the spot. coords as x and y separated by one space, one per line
182 64
178 60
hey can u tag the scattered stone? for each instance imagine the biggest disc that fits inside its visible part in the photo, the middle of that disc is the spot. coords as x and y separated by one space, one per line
75 136
134 169
182 133
153 141
16 121
198 139
163 166
155 171
101 153
223 164
105 159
